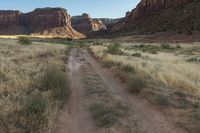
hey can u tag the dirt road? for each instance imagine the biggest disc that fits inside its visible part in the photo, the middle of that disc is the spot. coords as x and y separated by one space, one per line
76 118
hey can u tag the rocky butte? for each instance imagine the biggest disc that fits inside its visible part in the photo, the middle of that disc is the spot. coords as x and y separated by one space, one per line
54 22
85 24
151 16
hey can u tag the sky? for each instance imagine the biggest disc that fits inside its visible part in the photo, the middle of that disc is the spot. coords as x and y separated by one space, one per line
96 8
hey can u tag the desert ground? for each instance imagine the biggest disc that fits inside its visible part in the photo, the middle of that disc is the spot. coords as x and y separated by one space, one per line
99 86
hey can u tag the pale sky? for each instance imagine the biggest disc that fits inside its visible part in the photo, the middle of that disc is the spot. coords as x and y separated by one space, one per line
96 8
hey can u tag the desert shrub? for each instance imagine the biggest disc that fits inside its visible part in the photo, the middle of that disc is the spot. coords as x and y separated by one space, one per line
128 68
153 52
35 105
141 46
166 46
162 100
137 54
108 64
105 116
114 49
24 40
178 47
136 84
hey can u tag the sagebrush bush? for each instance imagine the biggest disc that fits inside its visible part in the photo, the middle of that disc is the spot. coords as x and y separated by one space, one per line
36 105
24 40
114 49
136 84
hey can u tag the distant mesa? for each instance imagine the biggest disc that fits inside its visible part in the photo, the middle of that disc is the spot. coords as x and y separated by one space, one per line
85 24
55 22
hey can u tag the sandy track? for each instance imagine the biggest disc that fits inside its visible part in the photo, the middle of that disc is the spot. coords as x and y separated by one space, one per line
75 117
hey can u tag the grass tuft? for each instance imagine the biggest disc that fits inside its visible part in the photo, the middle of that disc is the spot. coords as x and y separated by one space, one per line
53 78
35 105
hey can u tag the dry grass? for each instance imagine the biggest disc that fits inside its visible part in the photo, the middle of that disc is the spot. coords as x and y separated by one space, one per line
172 71
30 36
21 67
171 80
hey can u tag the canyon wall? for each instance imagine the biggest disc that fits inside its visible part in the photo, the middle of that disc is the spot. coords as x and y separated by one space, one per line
55 22
162 15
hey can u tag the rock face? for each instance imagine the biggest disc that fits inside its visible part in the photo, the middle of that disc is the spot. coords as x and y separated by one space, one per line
85 24
162 15
53 22
11 22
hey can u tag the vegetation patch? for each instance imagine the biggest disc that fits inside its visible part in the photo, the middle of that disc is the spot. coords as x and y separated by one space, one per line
36 105
194 59
106 116
162 100
114 49
28 100
24 40
108 64
55 79
109 109
137 54
128 68
136 84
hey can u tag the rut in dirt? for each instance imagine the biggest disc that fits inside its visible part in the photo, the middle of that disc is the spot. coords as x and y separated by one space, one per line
76 118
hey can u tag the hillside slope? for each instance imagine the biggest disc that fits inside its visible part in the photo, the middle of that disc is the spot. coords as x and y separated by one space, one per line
152 16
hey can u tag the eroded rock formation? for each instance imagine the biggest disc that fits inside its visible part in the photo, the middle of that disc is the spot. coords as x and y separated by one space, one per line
55 22
85 24
162 15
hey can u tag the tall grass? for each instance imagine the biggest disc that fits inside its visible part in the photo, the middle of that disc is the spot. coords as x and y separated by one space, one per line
162 69
25 107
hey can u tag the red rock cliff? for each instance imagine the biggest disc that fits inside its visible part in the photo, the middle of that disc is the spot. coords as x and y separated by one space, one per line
54 22
162 15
